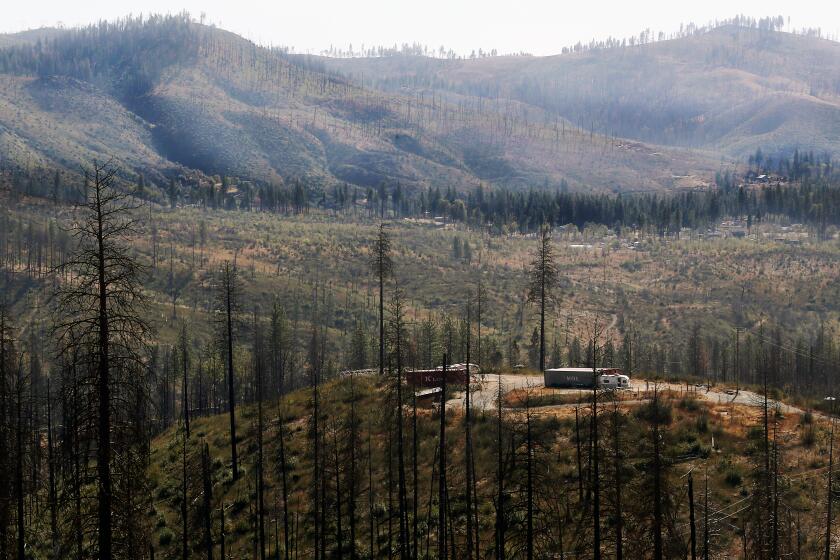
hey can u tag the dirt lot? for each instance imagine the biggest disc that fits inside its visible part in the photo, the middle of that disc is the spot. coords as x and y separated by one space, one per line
513 387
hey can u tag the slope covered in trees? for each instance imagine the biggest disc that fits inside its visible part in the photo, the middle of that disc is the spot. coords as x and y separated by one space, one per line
215 367
231 430
730 89
164 95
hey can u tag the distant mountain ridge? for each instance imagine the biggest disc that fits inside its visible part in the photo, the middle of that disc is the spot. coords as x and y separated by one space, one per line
729 90
166 95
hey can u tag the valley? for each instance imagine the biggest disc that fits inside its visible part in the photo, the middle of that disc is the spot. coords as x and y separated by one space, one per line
238 285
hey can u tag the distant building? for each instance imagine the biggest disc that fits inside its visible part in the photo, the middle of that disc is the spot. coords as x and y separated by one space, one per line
573 377
456 374
426 397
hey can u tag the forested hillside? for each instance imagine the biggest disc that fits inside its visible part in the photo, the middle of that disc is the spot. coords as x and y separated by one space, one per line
730 89
645 115
234 426
187 96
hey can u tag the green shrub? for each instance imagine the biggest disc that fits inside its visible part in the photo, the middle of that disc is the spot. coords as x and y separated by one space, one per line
240 503
166 537
755 433
242 527
655 410
702 423
690 404
809 435
733 478
631 266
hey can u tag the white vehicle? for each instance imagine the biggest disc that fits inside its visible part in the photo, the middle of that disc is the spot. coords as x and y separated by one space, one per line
612 382
583 378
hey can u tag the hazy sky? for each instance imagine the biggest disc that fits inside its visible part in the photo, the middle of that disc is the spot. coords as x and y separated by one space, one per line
536 26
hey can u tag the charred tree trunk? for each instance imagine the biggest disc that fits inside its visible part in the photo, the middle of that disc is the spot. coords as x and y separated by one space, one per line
53 495
691 523
222 535
596 481
317 470
371 526
706 518
829 487
579 456
351 506
229 280
184 511
657 480
442 546
529 491
260 458
500 479
398 334
285 485
618 466
415 479
207 512
21 527
339 535
185 390
472 521
103 448
5 439
543 277
382 266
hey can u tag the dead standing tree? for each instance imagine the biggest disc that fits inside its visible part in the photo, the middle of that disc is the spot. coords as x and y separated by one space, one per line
596 475
397 337
542 279
228 307
442 488
99 314
183 344
382 266
12 388
469 480
6 438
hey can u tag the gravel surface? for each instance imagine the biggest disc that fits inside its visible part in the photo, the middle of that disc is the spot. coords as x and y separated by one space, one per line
485 389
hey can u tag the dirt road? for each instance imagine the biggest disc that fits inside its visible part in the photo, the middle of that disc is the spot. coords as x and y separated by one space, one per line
485 389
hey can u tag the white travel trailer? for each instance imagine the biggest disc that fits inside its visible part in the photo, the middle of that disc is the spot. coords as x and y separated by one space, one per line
614 381
608 378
